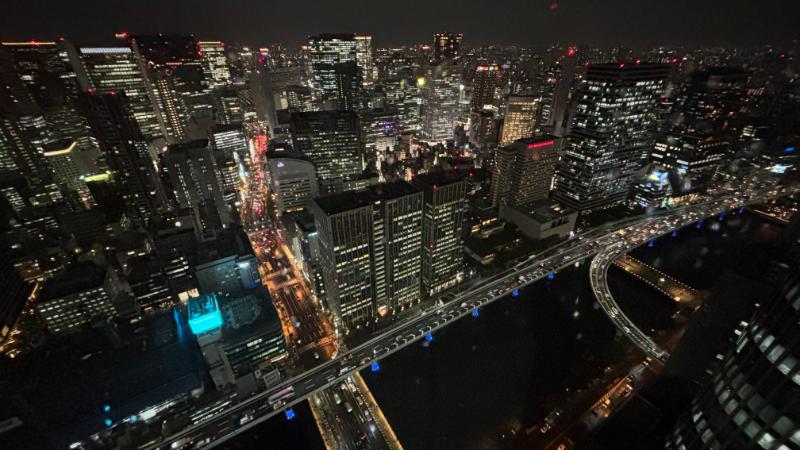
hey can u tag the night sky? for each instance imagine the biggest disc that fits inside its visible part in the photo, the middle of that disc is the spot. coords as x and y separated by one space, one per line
524 22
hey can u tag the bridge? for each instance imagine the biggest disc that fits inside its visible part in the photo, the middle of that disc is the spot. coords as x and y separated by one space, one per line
609 239
679 292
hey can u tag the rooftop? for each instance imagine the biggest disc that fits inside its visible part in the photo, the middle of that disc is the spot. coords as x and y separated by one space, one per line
77 278
345 201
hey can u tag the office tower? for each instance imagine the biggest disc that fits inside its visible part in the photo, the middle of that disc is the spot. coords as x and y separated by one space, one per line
441 91
751 401
227 105
653 190
44 68
364 58
175 244
194 180
14 96
114 69
295 98
559 97
445 203
173 68
331 140
348 86
148 282
611 133
447 46
305 249
293 181
80 295
484 85
482 128
126 151
329 55
693 159
711 100
370 250
215 65
229 140
377 124
67 167
523 171
520 114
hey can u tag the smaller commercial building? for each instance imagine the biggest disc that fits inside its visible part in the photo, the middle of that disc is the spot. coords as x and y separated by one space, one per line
540 221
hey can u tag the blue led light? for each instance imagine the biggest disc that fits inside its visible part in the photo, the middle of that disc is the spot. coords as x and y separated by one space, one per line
741 210
721 217
789 150
651 243
108 422
551 275
699 225
674 233
134 418
289 414
375 367
428 337
515 292
106 408
475 313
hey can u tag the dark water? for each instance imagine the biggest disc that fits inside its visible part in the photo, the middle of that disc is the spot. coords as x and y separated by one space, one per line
515 362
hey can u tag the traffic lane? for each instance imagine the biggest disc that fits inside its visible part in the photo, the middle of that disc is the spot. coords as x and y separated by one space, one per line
453 316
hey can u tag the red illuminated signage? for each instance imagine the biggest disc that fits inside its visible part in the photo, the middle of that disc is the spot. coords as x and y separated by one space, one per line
540 144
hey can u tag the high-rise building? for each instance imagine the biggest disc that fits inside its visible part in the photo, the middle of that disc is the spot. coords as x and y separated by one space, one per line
523 171
484 85
520 114
44 68
69 168
175 75
114 69
445 204
364 57
611 133
194 178
330 55
128 154
442 89
447 45
369 243
751 401
293 181
331 140
693 159
215 65
80 295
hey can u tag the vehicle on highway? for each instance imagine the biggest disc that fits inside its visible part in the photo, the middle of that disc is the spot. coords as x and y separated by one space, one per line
337 399
348 407
279 398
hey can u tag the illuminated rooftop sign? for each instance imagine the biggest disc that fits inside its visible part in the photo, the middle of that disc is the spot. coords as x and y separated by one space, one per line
204 314
540 144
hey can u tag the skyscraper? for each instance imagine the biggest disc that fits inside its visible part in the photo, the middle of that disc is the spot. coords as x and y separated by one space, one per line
611 133
194 178
441 91
445 203
484 85
523 171
215 65
293 181
120 139
330 56
521 111
751 401
331 140
370 250
364 57
447 46
114 69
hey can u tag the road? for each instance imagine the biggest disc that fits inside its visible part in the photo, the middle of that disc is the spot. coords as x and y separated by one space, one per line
349 418
613 236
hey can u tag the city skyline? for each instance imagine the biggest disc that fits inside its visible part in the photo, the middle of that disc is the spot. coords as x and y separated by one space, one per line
340 244
518 22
